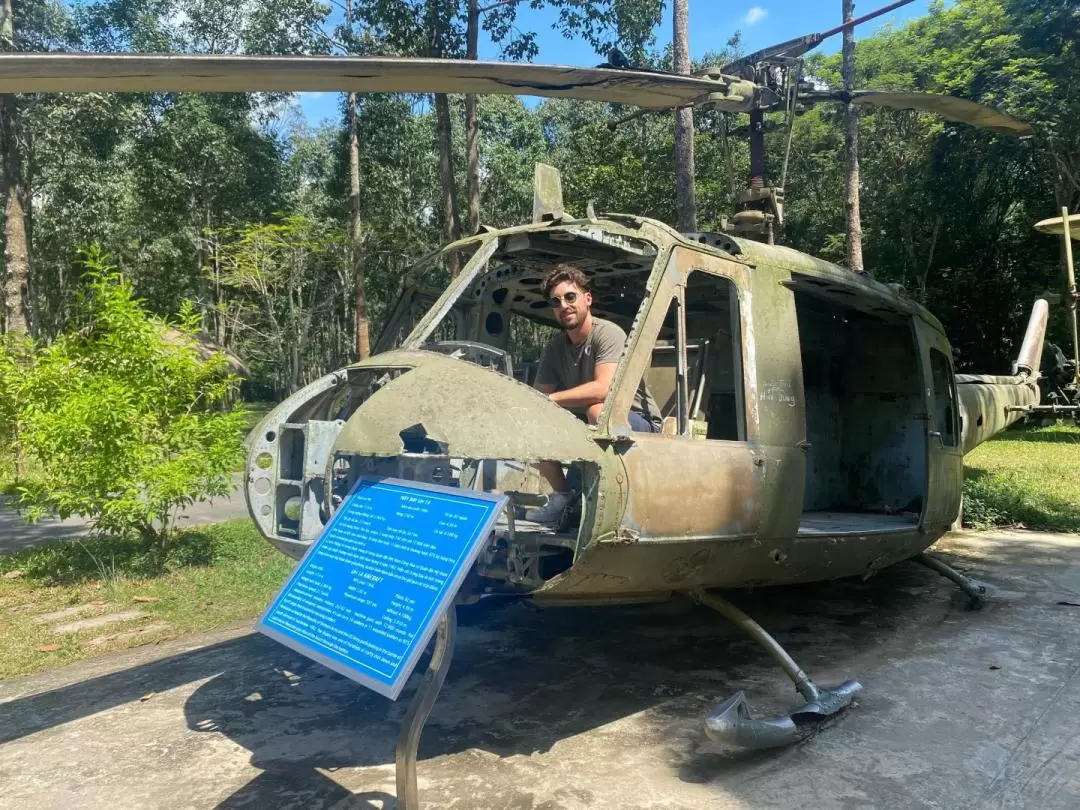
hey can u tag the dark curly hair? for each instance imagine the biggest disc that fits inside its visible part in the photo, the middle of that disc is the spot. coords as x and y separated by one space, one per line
564 272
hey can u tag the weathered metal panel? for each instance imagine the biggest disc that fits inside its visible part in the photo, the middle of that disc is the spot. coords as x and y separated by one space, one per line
547 193
944 455
614 571
990 404
682 487
212 73
477 413
261 484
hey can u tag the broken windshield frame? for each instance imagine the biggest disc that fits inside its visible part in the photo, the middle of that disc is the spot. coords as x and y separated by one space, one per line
485 247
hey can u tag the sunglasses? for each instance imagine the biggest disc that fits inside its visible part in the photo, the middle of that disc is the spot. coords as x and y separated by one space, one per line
556 301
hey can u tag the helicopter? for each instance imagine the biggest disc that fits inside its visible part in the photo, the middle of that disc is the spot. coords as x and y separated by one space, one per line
812 425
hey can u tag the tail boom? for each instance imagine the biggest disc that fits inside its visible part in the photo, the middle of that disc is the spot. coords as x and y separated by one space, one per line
990 403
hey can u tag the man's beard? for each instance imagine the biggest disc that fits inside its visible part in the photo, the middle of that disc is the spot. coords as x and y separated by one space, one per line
577 321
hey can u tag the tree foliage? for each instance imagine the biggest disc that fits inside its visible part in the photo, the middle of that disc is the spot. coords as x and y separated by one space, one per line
171 185
123 419
284 281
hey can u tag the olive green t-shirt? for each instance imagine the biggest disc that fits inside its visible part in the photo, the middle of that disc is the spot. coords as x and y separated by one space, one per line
566 366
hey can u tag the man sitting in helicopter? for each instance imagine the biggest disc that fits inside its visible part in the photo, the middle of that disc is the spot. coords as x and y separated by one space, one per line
576 370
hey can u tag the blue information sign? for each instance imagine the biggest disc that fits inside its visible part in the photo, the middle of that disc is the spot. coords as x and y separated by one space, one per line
368 594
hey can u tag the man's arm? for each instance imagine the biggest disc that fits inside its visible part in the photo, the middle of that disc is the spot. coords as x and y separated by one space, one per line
545 381
586 394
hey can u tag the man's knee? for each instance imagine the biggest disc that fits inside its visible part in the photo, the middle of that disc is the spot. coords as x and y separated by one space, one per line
592 413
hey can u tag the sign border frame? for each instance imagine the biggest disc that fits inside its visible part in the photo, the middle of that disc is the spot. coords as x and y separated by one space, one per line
394 689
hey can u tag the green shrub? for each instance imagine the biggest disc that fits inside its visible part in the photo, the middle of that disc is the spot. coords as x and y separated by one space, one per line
122 420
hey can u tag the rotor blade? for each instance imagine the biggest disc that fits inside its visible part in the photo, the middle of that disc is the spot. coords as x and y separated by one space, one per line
83 73
949 107
800 45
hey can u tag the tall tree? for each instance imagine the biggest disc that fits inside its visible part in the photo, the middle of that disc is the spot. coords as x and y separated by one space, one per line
447 185
472 126
685 204
13 190
356 236
443 37
851 148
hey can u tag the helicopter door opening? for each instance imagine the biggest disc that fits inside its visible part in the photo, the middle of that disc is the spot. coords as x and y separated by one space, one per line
700 394
865 414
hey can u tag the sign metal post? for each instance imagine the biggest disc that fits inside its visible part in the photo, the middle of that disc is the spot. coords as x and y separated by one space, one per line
423 700
382 579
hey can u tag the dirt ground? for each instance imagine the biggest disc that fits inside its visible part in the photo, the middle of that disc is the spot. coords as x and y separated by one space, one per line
554 709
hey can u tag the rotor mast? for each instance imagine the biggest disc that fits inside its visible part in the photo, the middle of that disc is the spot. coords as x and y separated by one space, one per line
777 69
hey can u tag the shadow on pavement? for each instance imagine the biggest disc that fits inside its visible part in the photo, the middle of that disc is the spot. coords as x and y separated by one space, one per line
522 679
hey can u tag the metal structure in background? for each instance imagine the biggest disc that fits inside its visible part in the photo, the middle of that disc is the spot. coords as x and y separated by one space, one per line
1062 381
777 73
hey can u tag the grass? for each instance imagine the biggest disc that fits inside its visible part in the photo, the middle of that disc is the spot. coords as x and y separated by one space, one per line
1028 477
212 576
255 413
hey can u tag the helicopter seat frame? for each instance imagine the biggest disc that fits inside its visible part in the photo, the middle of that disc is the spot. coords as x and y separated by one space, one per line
661 377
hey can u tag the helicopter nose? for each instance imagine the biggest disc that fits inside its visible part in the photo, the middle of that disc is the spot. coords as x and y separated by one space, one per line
471 412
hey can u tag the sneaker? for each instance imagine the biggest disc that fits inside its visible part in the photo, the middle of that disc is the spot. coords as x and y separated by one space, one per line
552 511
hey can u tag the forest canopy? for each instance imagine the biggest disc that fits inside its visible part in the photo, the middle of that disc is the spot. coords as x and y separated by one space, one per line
276 229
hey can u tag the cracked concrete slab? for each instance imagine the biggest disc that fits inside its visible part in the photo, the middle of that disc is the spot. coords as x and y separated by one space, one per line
553 709
95 622
146 629
66 613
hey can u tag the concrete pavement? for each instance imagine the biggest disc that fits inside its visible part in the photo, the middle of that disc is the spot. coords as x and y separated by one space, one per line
560 709
16 534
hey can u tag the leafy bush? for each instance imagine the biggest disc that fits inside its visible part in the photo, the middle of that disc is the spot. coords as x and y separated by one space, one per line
122 420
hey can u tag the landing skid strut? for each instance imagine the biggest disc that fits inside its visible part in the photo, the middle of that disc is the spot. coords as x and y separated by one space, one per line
976 592
731 721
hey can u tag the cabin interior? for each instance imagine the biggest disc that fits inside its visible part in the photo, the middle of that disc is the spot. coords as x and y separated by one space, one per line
865 416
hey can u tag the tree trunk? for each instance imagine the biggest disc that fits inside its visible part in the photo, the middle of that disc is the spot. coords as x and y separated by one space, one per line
16 243
361 326
220 304
451 227
685 206
472 126
356 236
16 237
851 148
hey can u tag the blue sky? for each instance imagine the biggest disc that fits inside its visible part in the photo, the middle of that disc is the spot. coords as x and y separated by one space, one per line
712 22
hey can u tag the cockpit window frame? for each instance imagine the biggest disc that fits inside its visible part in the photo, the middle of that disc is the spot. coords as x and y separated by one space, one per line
456 295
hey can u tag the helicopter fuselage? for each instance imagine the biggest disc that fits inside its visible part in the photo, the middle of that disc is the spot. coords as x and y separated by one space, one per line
813 427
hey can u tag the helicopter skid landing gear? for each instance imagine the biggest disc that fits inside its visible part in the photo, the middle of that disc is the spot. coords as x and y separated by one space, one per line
732 723
976 592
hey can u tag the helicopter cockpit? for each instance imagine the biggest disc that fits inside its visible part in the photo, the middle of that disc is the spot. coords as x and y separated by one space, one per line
494 312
